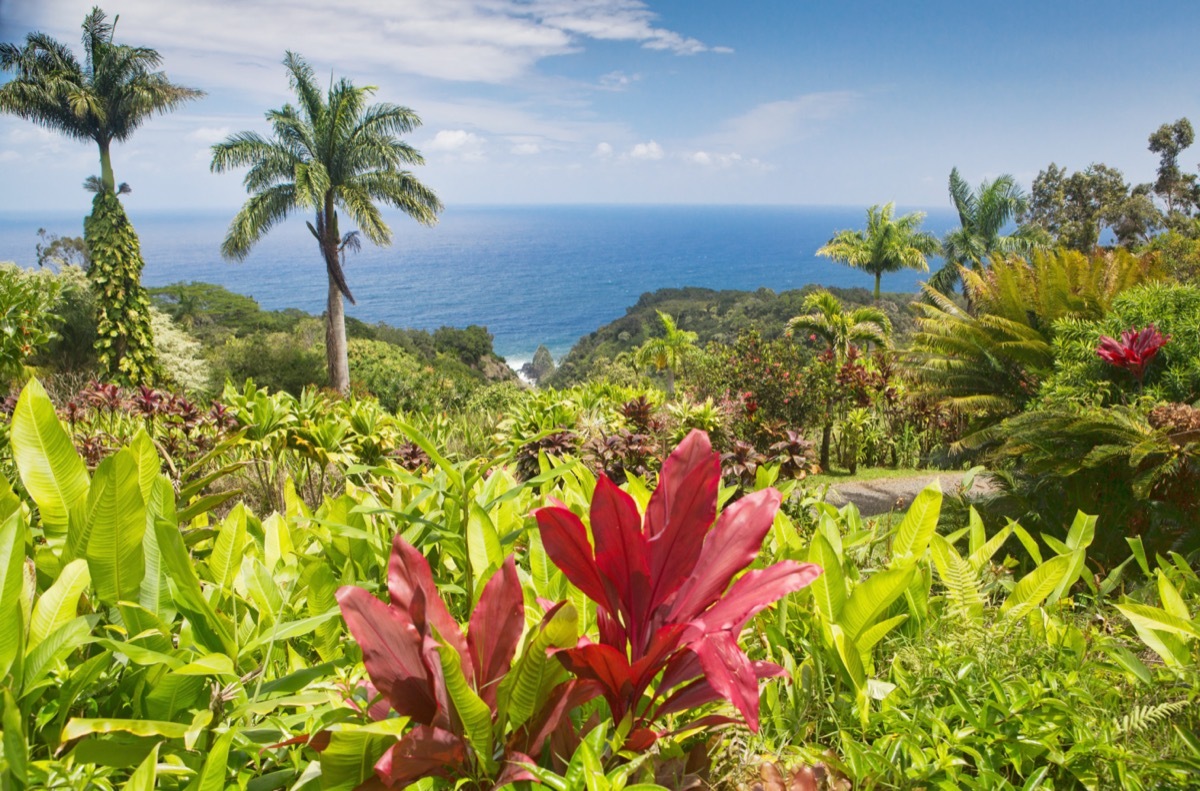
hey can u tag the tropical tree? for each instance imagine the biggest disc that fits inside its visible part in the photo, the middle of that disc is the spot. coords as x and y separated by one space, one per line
667 351
828 319
982 214
104 99
888 245
332 152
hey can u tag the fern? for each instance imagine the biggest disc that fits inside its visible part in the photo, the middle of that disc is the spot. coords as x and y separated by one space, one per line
1142 717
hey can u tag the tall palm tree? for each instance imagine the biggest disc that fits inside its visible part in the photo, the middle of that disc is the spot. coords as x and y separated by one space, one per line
668 351
888 245
982 214
104 99
828 319
332 152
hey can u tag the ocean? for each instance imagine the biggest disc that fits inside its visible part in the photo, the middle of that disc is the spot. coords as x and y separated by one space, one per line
531 274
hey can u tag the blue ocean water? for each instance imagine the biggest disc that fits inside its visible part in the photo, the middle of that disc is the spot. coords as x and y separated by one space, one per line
530 274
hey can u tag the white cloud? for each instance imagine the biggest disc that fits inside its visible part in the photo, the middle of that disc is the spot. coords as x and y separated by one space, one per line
454 140
713 159
603 150
616 81
648 151
209 135
526 149
771 125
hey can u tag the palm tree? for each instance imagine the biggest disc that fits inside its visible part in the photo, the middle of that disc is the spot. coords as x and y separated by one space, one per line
888 245
982 215
104 99
828 319
667 352
332 152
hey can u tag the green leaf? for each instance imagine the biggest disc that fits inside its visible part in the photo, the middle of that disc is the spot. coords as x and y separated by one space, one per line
1082 531
873 634
1027 541
286 631
475 715
1172 602
51 470
1035 586
148 463
350 758
872 598
16 748
982 556
212 776
116 517
1141 615
829 589
12 578
145 776
79 727
227 550
210 631
518 696
962 588
483 543
851 657
59 644
1139 552
919 524
161 505
60 602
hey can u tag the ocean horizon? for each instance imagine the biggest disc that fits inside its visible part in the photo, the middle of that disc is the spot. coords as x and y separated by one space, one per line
533 275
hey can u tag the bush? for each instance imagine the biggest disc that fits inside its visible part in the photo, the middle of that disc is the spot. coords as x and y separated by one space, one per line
405 383
27 317
276 360
179 355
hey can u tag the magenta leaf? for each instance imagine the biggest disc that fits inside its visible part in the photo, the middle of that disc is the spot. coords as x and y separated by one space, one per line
1134 351
607 666
408 571
495 629
621 552
730 674
754 591
422 752
566 542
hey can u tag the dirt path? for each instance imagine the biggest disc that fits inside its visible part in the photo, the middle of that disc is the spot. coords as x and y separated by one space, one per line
887 494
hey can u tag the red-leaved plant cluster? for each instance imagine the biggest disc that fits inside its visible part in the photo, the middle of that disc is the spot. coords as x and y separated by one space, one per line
1134 351
669 617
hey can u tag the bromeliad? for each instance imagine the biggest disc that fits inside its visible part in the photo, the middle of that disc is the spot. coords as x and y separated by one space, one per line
662 585
1134 351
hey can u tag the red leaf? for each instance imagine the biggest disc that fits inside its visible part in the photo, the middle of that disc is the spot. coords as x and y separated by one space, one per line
678 516
730 674
731 546
408 571
496 628
640 740
563 699
753 592
606 665
611 631
701 691
666 641
516 769
422 752
392 652
566 542
621 552
683 667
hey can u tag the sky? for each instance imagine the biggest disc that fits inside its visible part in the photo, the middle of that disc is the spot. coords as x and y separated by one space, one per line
805 102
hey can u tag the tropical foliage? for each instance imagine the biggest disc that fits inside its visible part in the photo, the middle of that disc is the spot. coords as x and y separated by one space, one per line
889 244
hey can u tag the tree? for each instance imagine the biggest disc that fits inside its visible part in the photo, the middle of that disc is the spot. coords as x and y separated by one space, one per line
982 215
668 351
828 319
1075 208
888 245
332 152
1178 190
56 251
104 99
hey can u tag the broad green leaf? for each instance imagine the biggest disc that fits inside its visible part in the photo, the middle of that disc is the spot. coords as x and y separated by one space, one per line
517 697
1144 616
1035 586
216 764
829 589
16 749
1139 552
475 715
919 524
286 631
172 696
1126 659
161 505
227 550
60 602
148 463
12 576
145 776
483 543
851 657
9 501
1027 541
873 634
351 755
51 470
1070 577
978 534
983 555
277 541
77 728
1082 531
57 645
872 598
211 632
116 517
1172 602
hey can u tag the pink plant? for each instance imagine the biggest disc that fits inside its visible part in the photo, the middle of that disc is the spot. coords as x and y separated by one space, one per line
1134 351
668 606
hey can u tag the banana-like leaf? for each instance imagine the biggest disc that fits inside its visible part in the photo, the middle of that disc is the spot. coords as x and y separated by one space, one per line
982 556
483 544
78 727
51 470
475 715
59 603
919 524
1141 615
850 655
12 614
1082 531
148 463
872 598
211 632
873 634
57 646
517 698
161 505
15 745
145 776
1172 601
829 589
227 550
216 764
116 517
1035 586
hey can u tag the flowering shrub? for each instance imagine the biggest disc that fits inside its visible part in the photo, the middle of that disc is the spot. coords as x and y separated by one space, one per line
1134 351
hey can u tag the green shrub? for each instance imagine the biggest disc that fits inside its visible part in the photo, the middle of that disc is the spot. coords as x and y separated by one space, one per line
27 316
402 382
288 361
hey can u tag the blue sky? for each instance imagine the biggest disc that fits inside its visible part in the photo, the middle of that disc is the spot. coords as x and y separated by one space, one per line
662 101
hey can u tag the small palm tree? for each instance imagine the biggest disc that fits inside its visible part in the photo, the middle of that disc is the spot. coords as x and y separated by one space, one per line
333 152
888 245
104 99
668 351
982 214
828 319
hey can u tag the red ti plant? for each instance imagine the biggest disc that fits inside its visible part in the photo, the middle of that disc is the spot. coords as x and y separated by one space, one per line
1134 351
668 615
478 715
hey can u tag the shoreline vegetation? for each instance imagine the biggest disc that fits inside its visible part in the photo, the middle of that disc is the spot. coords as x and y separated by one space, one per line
264 550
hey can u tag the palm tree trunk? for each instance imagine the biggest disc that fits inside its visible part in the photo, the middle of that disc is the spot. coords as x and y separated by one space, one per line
670 383
336 354
106 172
878 277
826 432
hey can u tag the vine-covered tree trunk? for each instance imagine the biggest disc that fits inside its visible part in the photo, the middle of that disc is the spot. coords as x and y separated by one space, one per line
336 352
124 343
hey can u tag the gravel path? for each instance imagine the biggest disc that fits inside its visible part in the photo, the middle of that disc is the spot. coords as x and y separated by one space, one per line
886 494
